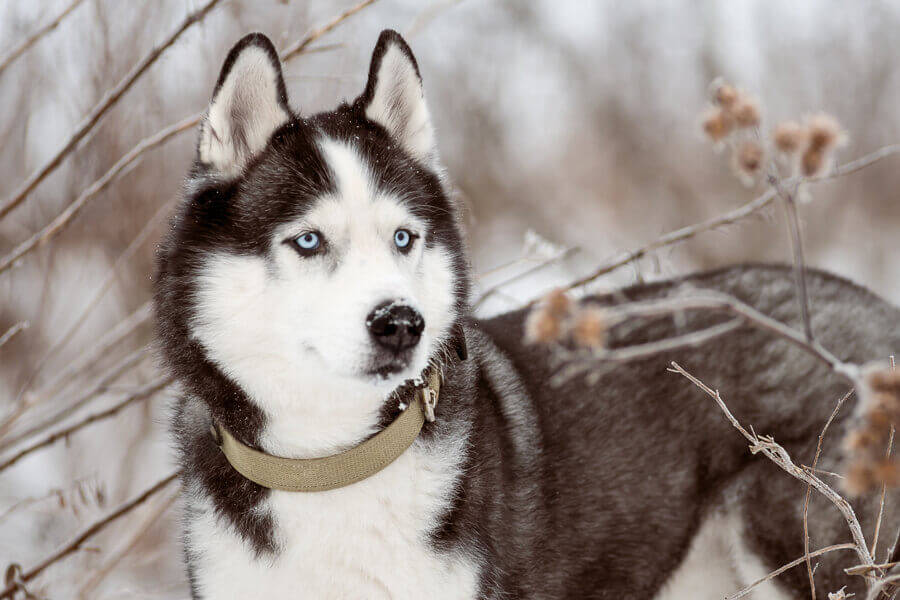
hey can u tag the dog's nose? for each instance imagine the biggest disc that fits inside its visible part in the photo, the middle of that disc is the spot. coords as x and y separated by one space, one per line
395 326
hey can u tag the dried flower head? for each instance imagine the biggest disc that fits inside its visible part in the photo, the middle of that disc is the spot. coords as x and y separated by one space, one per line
717 124
726 95
746 112
871 464
748 158
589 327
557 303
789 137
814 161
825 132
541 327
547 322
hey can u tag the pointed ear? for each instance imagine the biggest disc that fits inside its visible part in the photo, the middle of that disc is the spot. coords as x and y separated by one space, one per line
394 98
248 105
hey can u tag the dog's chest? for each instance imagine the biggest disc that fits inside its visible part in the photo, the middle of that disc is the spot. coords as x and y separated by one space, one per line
368 540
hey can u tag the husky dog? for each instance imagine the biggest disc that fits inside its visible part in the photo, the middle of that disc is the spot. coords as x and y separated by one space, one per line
316 266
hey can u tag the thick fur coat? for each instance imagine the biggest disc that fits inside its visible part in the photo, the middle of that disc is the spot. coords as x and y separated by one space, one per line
295 228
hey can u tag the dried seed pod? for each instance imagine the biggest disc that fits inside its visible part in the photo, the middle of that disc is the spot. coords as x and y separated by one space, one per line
589 328
557 303
726 95
748 158
543 327
824 132
789 137
717 124
746 112
813 161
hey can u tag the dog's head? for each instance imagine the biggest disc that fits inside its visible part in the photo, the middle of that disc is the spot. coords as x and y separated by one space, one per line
318 248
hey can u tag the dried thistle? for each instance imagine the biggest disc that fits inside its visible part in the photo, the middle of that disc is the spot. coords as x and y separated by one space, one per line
870 465
814 161
746 112
825 132
546 323
557 303
748 158
717 124
789 137
542 327
589 328
726 95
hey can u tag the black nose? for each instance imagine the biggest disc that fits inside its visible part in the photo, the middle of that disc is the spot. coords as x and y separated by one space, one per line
395 326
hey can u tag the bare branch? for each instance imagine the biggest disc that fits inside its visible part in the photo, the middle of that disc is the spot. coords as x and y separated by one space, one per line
790 565
799 261
97 113
141 393
91 355
117 555
75 544
98 387
519 276
145 145
301 46
12 331
117 170
778 455
730 217
748 313
31 40
809 569
881 503
583 364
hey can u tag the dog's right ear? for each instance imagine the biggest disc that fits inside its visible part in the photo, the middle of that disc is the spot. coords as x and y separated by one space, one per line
248 105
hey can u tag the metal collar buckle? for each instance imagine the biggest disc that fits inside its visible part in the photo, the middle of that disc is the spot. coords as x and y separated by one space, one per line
429 403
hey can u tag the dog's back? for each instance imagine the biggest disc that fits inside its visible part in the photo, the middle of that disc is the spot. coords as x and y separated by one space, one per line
632 459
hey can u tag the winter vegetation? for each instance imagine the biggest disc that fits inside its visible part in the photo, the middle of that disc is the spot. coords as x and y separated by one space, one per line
570 132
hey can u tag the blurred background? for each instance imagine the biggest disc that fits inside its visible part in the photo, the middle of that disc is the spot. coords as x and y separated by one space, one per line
570 132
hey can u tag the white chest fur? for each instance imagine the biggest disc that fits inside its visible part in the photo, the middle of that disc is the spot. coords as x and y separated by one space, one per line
368 540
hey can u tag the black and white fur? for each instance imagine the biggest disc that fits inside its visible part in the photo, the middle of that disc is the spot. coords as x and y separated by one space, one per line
518 490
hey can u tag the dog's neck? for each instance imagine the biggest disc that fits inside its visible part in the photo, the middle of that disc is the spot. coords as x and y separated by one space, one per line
312 416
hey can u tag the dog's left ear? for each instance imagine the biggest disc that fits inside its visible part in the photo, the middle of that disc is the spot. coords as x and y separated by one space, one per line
394 99
248 105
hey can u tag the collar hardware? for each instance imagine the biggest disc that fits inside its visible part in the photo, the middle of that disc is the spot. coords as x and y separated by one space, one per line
338 470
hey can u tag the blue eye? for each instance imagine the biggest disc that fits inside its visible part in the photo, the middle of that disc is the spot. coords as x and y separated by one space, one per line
308 241
402 238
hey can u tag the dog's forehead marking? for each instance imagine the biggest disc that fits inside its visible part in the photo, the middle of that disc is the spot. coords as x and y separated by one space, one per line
353 178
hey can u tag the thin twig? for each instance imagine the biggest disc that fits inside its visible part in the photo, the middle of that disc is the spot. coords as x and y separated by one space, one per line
881 503
730 217
100 386
141 393
117 170
75 544
695 338
799 261
778 455
31 40
748 313
299 47
12 331
790 565
101 290
526 273
116 557
145 145
89 357
809 569
97 113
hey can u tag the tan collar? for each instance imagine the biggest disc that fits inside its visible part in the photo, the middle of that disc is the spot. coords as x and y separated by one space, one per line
338 470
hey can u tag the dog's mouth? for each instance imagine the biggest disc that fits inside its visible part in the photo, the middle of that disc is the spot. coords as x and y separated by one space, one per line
387 367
